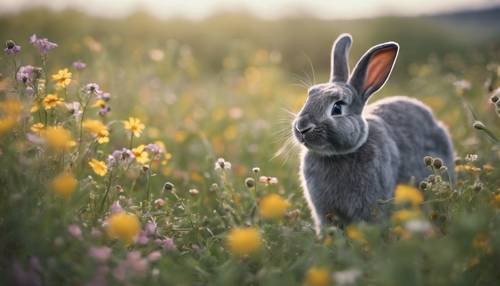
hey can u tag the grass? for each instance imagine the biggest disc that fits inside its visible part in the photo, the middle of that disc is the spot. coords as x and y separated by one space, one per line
191 219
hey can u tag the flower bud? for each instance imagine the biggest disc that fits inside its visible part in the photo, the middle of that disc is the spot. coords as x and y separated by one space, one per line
437 163
256 170
168 187
428 160
249 182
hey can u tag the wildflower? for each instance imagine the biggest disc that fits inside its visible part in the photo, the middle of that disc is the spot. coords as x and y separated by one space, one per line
99 103
43 45
62 78
37 127
116 208
249 183
158 203
273 206
268 180
104 111
354 233
418 226
6 124
496 200
11 48
154 256
100 254
74 108
154 149
99 167
59 138
134 126
64 185
92 88
244 241
222 165
167 244
75 231
317 276
123 226
488 168
25 74
52 101
141 156
346 277
404 215
437 163
97 129
407 194
256 170
105 96
193 192
79 65
471 157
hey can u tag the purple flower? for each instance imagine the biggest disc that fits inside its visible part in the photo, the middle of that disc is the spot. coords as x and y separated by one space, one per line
116 207
167 244
30 91
150 228
25 74
154 256
92 88
104 111
42 44
79 65
11 48
154 148
143 238
104 96
100 254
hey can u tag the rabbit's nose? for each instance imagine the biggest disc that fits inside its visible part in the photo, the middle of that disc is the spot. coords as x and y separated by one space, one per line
304 126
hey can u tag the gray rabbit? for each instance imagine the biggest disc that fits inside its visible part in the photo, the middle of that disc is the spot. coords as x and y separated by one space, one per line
355 154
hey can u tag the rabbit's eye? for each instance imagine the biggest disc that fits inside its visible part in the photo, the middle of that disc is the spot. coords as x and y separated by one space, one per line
337 108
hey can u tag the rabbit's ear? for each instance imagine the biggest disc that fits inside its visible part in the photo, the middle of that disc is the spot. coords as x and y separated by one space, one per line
339 70
374 68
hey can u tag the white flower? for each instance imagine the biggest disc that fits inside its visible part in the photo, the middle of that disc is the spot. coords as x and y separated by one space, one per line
346 277
222 165
418 226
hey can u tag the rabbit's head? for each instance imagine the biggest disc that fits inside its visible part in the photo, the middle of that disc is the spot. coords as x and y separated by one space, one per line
331 120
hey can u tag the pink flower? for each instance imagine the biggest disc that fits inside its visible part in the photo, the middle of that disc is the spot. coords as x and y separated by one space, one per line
167 244
154 256
75 231
116 207
100 254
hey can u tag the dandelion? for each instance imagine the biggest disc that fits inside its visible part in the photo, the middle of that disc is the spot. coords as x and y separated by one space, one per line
354 233
42 44
52 101
64 185
244 241
123 226
97 129
62 78
317 276
99 167
134 126
273 206
222 165
11 48
408 194
141 156
79 65
58 138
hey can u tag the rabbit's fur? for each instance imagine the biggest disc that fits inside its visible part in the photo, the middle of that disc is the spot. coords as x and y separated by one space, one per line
355 155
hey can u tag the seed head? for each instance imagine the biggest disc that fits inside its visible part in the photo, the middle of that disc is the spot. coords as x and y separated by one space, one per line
494 98
424 185
249 182
437 163
256 170
428 160
168 187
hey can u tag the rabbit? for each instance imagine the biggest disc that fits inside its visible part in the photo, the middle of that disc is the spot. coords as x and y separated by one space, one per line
353 154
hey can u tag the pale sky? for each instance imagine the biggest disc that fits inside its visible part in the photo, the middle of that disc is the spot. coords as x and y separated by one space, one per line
327 9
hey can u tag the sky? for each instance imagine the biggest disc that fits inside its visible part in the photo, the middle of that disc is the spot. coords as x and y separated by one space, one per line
198 9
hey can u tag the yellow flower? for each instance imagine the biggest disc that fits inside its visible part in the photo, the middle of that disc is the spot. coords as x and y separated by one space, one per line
11 107
52 101
488 168
123 226
34 108
6 124
317 276
496 198
141 156
62 78
244 241
59 138
97 129
404 215
273 206
37 127
408 194
64 185
354 234
99 167
99 103
134 126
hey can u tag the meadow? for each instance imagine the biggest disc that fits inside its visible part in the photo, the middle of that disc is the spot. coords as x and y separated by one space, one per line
144 152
